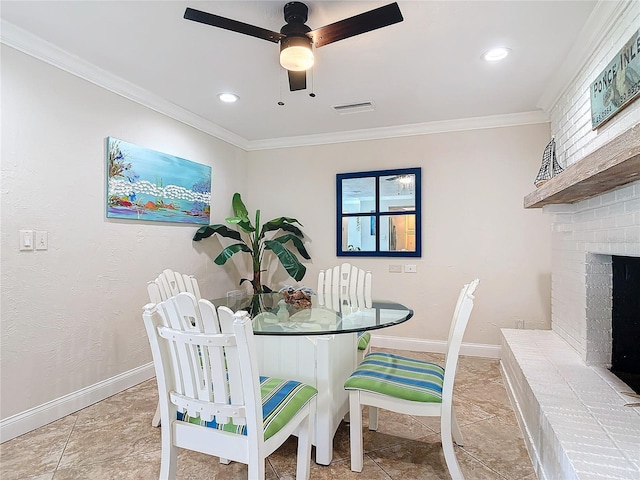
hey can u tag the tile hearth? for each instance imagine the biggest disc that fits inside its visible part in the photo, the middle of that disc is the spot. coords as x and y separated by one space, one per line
574 416
114 439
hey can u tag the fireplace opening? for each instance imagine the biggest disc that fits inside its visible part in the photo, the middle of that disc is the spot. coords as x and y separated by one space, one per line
625 320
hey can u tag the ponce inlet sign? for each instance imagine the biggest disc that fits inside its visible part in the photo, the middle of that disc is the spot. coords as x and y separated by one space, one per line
618 84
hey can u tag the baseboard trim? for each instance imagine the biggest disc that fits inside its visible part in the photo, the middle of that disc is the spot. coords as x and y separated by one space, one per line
41 415
434 346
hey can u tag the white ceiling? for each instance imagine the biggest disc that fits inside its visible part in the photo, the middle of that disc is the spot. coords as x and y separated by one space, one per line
425 69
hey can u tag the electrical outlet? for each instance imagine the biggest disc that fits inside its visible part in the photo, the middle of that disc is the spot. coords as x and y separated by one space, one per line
410 269
520 324
395 268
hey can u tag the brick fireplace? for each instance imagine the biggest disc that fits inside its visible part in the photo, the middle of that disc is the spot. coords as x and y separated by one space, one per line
585 236
570 406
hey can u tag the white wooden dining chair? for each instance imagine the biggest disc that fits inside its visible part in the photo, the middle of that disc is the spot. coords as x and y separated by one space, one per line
211 397
350 283
166 285
412 387
170 283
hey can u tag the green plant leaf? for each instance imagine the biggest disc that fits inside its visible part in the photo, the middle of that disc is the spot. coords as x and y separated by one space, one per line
245 225
296 241
288 259
222 230
282 223
239 209
230 251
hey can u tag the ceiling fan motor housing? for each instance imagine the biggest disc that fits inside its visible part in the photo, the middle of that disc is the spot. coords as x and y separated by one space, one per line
296 12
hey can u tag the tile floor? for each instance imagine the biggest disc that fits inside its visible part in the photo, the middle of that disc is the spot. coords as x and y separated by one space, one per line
114 439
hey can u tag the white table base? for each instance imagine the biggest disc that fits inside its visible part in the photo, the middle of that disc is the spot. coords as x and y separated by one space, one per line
323 361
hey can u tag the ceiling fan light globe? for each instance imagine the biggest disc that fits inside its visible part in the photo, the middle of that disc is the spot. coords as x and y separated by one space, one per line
295 53
296 59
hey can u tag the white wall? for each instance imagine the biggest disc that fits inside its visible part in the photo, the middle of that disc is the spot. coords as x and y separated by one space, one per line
474 223
71 315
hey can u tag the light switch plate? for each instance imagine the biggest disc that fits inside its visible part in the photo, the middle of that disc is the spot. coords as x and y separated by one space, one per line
26 239
395 268
410 269
42 240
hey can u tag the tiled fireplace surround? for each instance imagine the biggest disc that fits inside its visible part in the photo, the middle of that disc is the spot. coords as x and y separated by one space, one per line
569 405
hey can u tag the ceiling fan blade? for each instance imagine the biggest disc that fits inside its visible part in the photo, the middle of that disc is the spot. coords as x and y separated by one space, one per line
349 27
233 25
297 80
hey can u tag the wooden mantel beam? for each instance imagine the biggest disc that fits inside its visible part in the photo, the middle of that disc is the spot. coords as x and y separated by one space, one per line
612 165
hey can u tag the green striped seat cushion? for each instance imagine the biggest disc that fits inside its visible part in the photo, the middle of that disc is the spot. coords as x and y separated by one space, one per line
398 377
281 400
363 340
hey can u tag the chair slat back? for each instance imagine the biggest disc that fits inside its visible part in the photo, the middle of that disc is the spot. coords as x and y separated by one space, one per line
233 361
188 356
206 369
344 282
211 324
459 323
169 283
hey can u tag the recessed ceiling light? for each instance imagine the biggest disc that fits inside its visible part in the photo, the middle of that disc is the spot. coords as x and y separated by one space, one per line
496 54
228 97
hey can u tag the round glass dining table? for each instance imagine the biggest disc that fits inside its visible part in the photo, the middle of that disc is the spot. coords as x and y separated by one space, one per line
279 314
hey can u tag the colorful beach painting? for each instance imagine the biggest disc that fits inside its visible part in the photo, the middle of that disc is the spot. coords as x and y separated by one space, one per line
147 185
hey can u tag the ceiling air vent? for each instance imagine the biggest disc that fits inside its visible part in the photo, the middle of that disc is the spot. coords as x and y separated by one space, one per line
354 108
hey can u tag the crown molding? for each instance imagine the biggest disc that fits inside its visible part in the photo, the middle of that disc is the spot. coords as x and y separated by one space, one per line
475 123
36 47
602 19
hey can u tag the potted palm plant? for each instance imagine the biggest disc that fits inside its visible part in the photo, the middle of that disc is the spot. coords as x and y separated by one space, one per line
251 238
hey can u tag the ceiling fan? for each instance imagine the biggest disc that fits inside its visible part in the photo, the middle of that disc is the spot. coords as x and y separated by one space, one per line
296 38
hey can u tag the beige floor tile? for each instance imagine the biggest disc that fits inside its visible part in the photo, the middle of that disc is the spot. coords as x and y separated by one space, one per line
138 467
37 452
135 405
423 459
284 459
393 429
466 413
87 444
191 466
44 476
341 470
499 444
490 397
114 439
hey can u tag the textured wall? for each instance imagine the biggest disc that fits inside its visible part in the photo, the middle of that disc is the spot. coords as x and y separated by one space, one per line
473 223
71 315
